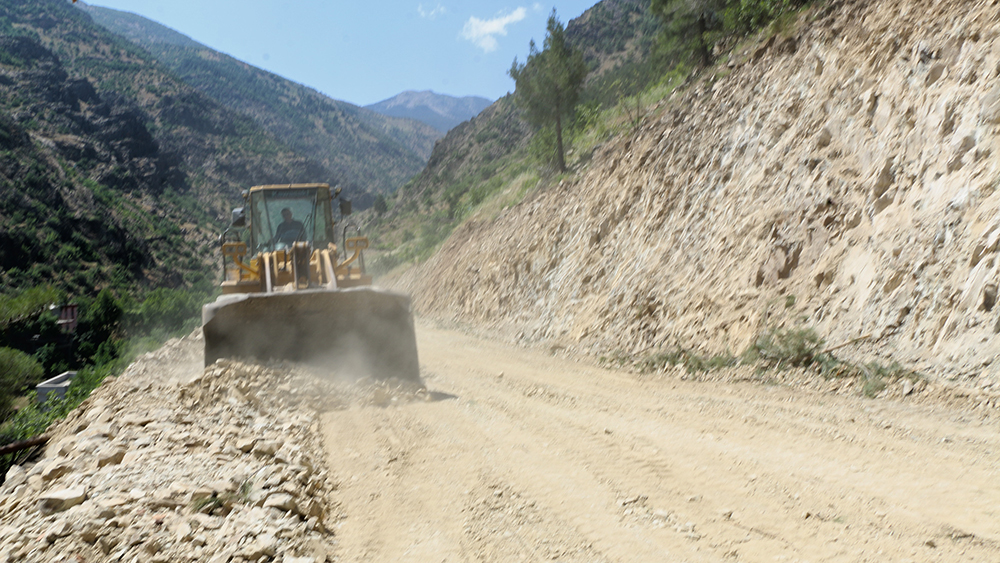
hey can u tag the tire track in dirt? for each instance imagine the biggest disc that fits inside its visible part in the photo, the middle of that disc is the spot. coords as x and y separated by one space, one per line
559 460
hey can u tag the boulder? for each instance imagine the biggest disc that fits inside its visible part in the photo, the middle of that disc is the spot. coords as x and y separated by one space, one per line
281 501
56 469
16 475
110 456
57 501
266 448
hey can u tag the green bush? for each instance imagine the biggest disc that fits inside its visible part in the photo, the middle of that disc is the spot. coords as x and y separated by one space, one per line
786 348
99 321
26 303
168 309
692 362
876 377
17 370
744 16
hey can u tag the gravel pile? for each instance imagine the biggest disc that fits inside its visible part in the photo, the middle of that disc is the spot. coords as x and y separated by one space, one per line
169 462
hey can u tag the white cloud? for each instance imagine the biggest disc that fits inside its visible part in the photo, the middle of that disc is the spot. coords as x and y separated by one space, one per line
538 7
432 13
483 33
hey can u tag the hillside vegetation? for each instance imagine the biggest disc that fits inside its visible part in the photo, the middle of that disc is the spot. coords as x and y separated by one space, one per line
366 151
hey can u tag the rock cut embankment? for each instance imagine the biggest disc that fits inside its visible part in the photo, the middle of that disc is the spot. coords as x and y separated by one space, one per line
841 176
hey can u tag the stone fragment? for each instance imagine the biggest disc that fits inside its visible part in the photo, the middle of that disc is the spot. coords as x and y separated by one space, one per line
281 501
111 503
57 501
257 497
989 297
266 447
853 219
245 444
180 488
132 458
92 530
907 387
110 456
883 179
89 445
61 528
16 475
65 446
222 486
223 556
165 502
183 531
208 522
935 73
56 469
313 509
284 455
100 430
824 138
265 544
989 109
106 544
152 546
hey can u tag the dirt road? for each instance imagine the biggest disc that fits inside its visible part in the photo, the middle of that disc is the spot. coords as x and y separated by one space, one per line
529 457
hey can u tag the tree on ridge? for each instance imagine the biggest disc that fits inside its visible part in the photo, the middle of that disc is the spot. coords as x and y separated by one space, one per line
548 83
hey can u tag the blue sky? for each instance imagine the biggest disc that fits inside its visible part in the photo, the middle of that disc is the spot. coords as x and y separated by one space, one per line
364 52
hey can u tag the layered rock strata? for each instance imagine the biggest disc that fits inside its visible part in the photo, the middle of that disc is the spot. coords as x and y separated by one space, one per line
840 175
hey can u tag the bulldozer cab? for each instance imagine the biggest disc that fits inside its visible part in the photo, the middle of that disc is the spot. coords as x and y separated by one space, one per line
282 216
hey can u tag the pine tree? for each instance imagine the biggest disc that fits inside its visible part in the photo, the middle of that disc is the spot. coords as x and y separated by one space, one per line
381 206
688 25
548 83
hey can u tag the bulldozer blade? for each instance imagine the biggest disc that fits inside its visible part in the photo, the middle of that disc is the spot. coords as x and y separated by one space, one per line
361 332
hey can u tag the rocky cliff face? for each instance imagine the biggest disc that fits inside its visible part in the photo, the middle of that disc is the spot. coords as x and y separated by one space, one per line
842 177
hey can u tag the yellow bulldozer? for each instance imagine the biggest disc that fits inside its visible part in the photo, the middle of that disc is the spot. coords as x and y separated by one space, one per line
289 294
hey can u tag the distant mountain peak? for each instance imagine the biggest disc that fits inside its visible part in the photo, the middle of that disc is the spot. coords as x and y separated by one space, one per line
440 111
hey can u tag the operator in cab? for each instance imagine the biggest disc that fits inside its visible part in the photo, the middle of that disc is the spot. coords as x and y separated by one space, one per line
289 230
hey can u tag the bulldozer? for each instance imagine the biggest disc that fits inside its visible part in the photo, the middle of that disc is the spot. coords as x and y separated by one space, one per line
288 293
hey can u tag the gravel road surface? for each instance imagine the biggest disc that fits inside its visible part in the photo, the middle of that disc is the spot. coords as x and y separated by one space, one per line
526 456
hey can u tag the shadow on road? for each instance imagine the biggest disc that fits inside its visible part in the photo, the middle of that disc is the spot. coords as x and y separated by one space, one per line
435 396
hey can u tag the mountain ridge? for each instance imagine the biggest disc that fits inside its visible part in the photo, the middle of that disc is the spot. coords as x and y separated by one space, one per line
441 111
366 150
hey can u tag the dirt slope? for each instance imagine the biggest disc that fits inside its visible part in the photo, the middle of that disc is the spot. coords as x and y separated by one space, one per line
843 176
527 457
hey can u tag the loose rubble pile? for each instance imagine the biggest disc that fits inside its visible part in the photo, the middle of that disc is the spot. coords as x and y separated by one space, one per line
169 462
